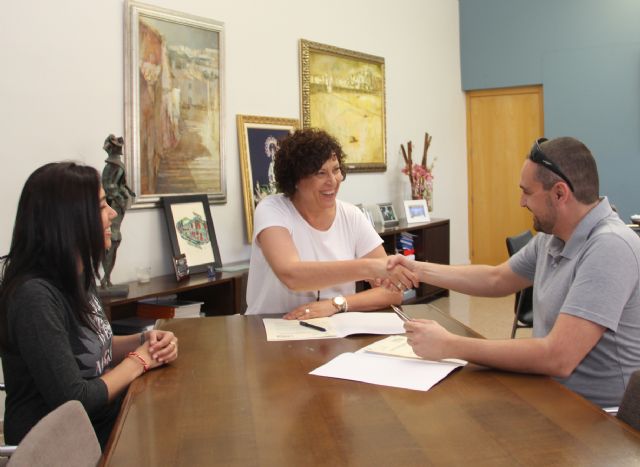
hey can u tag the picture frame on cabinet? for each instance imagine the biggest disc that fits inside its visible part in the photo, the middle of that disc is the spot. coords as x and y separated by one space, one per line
416 211
191 231
389 217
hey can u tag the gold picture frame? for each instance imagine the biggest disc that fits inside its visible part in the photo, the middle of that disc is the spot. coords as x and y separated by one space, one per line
174 104
343 92
258 139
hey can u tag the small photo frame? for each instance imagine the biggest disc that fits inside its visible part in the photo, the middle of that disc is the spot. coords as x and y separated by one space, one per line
367 214
416 211
181 267
191 231
389 218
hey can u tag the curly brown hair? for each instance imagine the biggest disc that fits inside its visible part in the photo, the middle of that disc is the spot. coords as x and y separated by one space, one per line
302 154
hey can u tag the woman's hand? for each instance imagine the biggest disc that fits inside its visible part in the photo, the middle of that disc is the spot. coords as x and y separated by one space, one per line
400 274
162 346
312 310
428 339
395 274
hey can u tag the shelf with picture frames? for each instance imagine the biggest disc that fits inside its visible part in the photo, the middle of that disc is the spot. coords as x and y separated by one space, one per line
431 243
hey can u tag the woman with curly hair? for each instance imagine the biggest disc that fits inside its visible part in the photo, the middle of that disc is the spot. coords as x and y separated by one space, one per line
55 340
309 248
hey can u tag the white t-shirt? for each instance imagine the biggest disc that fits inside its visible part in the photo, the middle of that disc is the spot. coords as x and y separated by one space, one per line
350 236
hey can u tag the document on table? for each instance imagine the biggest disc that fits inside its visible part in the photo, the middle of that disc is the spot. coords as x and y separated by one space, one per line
397 346
338 325
400 372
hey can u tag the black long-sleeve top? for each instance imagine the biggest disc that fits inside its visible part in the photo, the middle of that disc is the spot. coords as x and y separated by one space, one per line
54 358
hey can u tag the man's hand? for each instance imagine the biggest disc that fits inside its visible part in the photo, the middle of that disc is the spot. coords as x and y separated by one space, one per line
400 274
428 339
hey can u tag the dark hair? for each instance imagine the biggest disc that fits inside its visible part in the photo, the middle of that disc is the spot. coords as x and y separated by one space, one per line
58 224
302 154
574 160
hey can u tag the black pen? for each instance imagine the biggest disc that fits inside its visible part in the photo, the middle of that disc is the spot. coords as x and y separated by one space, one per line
312 326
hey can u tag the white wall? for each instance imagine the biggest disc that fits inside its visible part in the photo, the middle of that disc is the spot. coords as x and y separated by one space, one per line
61 94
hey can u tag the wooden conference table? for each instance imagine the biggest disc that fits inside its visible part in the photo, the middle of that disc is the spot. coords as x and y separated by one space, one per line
232 398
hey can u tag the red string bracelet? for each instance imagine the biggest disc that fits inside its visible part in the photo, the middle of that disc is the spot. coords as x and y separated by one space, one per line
137 356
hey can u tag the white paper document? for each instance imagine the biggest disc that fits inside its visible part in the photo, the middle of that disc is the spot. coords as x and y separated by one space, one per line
338 325
397 372
397 346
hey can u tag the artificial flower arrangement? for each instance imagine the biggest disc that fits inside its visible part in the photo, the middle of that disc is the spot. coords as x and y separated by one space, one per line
420 175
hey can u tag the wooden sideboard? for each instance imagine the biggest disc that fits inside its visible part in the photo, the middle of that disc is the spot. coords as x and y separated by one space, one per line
431 244
222 294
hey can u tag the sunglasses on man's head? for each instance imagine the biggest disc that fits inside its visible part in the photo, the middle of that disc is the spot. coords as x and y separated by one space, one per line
539 157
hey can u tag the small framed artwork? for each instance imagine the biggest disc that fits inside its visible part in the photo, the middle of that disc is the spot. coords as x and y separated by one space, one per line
389 218
181 267
258 140
191 231
367 214
416 211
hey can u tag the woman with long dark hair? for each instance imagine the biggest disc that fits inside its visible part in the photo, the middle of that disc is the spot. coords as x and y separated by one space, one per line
55 340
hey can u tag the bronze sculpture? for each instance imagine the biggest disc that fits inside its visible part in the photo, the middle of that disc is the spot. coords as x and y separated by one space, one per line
118 195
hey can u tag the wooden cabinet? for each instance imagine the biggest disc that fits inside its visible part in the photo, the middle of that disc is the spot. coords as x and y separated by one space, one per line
431 242
222 294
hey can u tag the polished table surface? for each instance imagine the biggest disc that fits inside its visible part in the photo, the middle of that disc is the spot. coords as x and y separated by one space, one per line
232 398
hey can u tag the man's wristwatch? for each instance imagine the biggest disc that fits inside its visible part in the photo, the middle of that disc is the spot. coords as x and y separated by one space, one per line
340 303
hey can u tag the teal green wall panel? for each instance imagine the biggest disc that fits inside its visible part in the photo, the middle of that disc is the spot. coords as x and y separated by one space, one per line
586 54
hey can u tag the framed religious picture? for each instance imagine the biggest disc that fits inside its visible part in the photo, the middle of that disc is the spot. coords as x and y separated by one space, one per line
191 232
174 68
416 211
343 92
389 218
258 140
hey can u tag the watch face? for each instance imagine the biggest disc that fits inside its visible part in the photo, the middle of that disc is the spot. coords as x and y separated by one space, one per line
340 303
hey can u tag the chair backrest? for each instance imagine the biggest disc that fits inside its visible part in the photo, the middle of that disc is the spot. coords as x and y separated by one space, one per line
523 307
629 411
64 437
515 243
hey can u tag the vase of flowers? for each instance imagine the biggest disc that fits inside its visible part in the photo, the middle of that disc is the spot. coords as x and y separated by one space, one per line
420 175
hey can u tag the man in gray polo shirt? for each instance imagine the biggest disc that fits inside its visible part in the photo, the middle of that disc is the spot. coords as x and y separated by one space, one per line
585 267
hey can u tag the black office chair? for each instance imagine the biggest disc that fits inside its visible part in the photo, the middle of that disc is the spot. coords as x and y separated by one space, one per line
523 308
629 410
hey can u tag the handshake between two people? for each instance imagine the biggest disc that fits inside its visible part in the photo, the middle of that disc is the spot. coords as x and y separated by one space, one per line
397 273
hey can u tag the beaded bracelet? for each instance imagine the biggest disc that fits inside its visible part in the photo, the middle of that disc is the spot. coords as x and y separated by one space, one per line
136 356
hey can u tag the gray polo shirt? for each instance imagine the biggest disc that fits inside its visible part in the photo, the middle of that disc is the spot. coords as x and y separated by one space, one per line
595 276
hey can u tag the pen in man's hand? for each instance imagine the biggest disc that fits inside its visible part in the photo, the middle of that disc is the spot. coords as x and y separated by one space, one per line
400 313
312 326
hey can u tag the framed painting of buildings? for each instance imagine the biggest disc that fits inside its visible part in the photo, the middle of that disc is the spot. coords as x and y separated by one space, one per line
173 104
343 92
191 231
258 140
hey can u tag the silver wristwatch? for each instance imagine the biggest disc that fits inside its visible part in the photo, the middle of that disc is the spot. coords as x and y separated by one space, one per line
340 303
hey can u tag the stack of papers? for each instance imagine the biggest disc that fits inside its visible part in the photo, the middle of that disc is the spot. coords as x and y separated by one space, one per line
338 325
389 362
